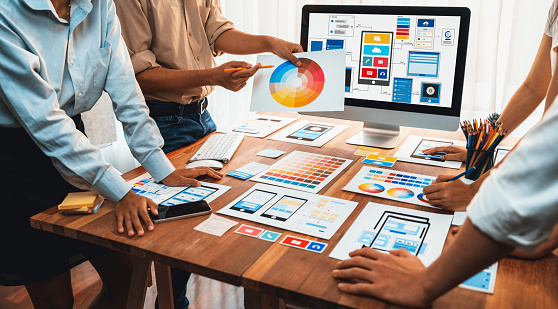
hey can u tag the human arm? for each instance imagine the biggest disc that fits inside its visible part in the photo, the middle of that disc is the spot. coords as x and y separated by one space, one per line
240 43
532 91
400 278
453 153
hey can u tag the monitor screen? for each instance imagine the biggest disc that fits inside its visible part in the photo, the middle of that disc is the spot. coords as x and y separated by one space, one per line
398 58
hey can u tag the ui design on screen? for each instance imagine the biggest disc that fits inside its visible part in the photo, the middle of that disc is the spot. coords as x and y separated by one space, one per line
392 58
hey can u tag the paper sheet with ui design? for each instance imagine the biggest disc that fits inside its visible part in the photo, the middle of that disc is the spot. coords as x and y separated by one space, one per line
386 228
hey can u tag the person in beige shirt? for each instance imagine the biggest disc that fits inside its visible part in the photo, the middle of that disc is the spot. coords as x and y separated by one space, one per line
173 45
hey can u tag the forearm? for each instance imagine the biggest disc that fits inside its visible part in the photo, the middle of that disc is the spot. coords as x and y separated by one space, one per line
160 79
522 104
240 43
469 253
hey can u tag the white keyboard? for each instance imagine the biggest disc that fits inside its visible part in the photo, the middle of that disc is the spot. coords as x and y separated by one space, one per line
220 147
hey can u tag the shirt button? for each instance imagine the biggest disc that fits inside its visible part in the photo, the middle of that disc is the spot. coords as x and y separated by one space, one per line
79 94
190 33
199 58
72 61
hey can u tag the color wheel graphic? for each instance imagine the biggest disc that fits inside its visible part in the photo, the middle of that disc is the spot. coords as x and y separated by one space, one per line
422 198
371 188
293 86
400 193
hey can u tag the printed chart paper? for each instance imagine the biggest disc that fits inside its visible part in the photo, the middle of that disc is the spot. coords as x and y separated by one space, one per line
317 85
256 125
293 210
144 185
215 225
411 151
304 171
390 184
389 228
310 133
483 281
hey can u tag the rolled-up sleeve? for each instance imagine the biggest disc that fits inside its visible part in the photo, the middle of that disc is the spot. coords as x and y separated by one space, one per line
518 203
137 35
216 24
141 132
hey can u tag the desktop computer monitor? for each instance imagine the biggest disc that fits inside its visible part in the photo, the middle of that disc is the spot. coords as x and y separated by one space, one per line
404 65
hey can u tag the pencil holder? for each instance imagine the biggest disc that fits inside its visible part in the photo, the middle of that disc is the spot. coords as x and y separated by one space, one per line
482 160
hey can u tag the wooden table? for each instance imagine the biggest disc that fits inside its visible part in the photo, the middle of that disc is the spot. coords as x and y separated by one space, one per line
269 271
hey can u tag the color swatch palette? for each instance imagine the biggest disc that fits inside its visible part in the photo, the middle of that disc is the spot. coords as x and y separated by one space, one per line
294 86
304 171
390 184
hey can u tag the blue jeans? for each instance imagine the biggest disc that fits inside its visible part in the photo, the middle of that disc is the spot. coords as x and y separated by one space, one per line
182 130
179 131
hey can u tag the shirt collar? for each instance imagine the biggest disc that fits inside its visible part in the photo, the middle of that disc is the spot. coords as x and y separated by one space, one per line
46 5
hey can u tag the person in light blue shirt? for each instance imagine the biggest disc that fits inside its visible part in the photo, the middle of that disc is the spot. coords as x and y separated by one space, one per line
56 59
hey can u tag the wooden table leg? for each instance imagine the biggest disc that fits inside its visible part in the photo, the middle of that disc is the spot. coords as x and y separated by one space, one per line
259 300
164 286
138 286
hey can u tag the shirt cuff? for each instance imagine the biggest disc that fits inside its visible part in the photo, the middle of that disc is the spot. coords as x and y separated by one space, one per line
158 166
144 60
112 186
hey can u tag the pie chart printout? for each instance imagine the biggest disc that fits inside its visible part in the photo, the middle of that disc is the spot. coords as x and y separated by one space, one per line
293 86
371 188
400 193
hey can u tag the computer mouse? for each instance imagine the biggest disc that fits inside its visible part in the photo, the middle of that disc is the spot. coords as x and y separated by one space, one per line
216 165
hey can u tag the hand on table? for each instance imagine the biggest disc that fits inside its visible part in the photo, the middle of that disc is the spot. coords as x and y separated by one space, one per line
235 80
285 49
393 277
130 209
185 177
454 153
452 195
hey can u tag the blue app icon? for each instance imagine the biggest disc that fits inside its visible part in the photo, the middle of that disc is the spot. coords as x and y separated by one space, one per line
316 246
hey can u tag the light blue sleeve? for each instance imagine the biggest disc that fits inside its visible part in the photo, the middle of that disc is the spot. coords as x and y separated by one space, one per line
518 203
33 102
142 134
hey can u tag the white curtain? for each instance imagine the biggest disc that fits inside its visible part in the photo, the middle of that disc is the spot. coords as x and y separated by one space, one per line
503 40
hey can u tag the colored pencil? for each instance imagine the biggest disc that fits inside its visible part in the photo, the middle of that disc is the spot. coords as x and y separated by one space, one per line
462 174
240 69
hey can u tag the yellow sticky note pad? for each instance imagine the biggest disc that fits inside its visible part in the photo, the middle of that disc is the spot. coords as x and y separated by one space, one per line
78 200
364 151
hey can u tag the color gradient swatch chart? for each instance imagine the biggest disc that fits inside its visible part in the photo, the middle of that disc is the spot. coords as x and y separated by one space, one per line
294 86
304 171
390 184
293 210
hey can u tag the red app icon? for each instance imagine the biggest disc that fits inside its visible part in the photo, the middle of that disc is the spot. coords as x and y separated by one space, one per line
295 242
381 62
249 230
370 73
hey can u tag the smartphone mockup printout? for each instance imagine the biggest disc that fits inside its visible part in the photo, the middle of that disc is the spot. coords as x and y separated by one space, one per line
425 144
284 208
180 211
253 201
188 195
401 232
310 132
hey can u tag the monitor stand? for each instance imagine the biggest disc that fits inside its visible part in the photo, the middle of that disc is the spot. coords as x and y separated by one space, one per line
376 135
